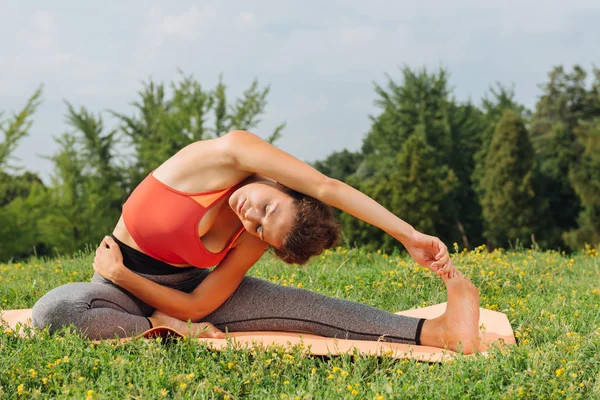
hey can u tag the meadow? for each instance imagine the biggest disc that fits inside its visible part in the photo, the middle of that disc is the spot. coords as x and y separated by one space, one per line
552 300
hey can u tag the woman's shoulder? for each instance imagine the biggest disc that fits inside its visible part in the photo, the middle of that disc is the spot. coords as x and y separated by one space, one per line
200 166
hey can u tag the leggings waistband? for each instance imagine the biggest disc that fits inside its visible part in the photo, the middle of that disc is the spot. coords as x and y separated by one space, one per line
139 262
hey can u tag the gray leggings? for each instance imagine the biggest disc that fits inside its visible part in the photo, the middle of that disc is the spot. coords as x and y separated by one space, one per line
101 310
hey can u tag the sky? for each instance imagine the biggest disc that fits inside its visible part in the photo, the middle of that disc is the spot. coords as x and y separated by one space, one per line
321 59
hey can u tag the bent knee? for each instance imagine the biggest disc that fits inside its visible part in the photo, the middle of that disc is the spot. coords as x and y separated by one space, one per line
59 307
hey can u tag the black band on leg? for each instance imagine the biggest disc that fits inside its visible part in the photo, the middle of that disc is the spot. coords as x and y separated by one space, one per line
418 333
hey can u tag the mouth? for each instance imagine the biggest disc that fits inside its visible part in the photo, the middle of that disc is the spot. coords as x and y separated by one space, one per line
241 206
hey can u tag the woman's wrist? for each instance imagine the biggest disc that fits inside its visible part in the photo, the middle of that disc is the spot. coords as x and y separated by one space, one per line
121 275
405 234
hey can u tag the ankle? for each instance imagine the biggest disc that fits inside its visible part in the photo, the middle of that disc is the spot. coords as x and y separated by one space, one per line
433 332
154 322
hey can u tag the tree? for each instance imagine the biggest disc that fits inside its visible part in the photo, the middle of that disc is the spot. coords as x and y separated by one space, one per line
420 100
422 103
420 185
509 204
585 176
91 179
462 208
21 195
22 203
165 125
14 186
563 104
499 99
414 191
66 227
98 181
17 127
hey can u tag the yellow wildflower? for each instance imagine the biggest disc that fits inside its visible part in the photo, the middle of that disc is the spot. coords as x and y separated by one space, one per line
21 389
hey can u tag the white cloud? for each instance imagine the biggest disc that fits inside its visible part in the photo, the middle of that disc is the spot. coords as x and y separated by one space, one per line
43 32
246 17
33 52
188 25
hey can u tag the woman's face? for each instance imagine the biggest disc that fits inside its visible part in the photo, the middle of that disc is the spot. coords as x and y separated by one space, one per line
265 210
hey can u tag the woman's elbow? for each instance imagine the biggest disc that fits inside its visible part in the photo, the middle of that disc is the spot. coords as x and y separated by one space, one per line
329 188
194 313
238 136
197 309
233 144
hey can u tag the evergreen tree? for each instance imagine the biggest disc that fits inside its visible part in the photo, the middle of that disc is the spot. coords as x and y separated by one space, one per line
420 185
509 203
421 100
423 103
585 176
462 208
561 107
499 99
414 190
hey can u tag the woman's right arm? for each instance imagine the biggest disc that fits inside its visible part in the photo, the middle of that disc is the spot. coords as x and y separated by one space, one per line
214 290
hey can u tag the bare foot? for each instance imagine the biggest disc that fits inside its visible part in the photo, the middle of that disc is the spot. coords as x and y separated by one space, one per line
200 329
458 328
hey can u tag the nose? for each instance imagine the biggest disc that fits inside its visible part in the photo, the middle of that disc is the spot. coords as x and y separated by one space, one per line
252 219
252 215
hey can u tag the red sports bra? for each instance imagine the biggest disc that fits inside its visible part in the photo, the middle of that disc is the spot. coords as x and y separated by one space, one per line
164 223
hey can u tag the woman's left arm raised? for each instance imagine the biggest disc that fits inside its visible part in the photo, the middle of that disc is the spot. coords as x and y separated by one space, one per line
250 153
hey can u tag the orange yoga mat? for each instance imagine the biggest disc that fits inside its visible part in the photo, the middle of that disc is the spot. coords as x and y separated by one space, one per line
495 327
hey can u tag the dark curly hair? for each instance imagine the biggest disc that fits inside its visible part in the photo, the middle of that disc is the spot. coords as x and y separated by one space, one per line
315 229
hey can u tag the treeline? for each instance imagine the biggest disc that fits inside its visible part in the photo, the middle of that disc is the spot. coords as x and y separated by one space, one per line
493 173
95 168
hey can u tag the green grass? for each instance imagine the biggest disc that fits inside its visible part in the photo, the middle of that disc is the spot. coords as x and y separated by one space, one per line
552 301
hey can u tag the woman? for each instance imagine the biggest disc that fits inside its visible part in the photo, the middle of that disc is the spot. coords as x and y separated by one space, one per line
224 202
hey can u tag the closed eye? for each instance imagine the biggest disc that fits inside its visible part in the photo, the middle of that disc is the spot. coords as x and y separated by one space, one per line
259 228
